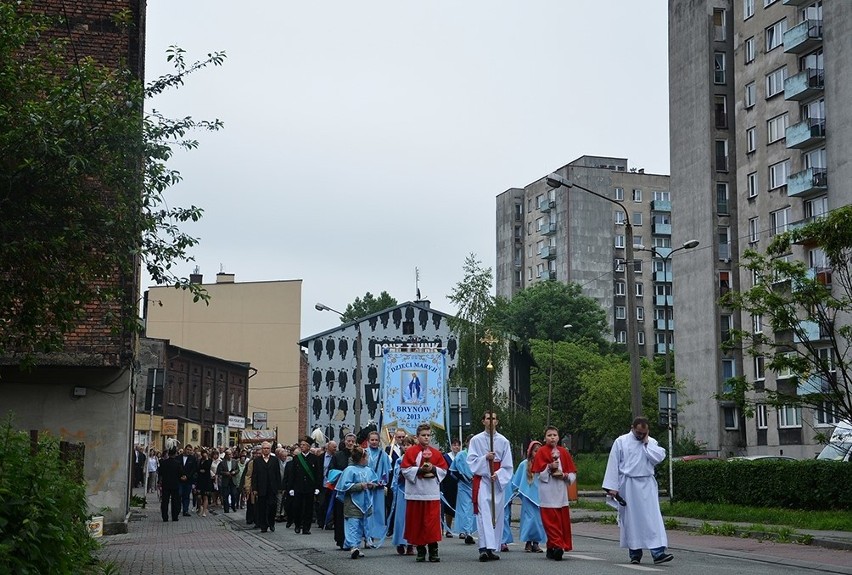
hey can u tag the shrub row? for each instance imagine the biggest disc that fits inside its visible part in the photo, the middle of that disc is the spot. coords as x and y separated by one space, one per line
809 485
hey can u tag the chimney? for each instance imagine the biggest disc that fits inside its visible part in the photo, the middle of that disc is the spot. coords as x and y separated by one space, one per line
195 278
223 278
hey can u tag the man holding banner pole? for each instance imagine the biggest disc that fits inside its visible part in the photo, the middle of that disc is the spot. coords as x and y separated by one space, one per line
490 459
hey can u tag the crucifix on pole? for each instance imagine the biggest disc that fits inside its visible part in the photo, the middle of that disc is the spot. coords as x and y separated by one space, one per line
489 340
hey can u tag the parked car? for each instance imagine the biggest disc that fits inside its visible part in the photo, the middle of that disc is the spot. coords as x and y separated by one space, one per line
762 458
695 457
839 447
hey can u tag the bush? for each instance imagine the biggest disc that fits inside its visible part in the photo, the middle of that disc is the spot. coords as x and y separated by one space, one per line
43 517
810 484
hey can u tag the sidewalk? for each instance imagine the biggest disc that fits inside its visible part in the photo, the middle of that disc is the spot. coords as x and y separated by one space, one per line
197 545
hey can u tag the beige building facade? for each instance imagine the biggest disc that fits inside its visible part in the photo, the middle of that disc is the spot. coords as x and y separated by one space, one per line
255 322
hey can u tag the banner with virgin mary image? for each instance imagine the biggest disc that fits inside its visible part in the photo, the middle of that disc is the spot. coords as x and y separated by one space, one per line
414 391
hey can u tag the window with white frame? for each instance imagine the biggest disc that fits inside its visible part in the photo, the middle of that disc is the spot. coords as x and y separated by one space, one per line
640 291
775 34
637 266
718 24
786 371
640 337
757 323
660 338
619 217
620 312
726 325
817 259
776 127
637 240
619 265
751 140
748 9
663 290
789 416
637 195
662 196
518 274
718 67
753 230
768 2
661 242
621 337
539 270
729 415
778 221
620 288
640 313
775 81
729 369
752 184
760 416
722 197
759 368
724 235
619 240
817 207
750 95
637 219
815 158
539 224
827 413
778 174
619 194
748 50
529 273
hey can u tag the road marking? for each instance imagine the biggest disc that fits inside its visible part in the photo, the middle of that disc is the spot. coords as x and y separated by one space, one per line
638 567
586 557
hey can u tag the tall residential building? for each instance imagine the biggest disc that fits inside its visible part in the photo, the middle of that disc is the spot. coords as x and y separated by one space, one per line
254 322
760 132
569 235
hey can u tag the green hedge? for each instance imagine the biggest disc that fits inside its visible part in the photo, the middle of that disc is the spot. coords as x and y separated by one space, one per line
810 484
44 509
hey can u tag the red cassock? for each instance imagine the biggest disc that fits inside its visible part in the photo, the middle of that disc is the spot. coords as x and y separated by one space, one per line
553 496
423 515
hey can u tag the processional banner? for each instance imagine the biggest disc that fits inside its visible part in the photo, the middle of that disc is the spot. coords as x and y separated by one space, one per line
414 391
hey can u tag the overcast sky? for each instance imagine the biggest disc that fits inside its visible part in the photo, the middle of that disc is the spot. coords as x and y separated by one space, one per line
364 139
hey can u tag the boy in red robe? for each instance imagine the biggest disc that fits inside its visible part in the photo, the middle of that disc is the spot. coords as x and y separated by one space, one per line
556 470
423 468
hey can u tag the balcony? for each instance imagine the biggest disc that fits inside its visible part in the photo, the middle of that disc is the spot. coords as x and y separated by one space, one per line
805 134
548 229
811 330
547 275
546 205
663 325
663 277
821 275
796 2
548 252
804 85
661 229
807 183
661 206
803 37
663 300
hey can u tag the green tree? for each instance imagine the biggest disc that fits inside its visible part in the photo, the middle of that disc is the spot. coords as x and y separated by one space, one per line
83 178
367 305
803 314
475 304
544 309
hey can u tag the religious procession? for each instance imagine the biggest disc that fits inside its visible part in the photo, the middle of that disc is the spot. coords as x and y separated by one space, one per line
409 496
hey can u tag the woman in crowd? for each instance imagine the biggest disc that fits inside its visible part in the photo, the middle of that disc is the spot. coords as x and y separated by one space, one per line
398 489
525 483
465 519
204 482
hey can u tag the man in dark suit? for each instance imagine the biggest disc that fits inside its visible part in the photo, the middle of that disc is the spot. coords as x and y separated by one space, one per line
304 479
186 479
138 466
227 471
169 480
265 483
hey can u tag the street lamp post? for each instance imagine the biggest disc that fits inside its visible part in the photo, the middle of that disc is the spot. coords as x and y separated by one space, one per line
555 181
357 406
666 307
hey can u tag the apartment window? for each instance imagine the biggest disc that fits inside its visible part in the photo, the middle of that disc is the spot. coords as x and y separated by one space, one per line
748 50
751 184
760 416
637 241
815 159
620 288
640 290
768 2
789 416
757 323
722 197
718 25
729 415
724 282
775 81
779 220
753 230
619 265
817 207
619 194
621 337
778 174
750 95
637 219
660 337
775 127
718 67
661 242
637 195
748 9
539 224
518 278
775 34
619 241
519 212
724 234
637 266
721 111
640 313
529 273
827 414
640 337
619 217
539 270
751 140
662 196
721 155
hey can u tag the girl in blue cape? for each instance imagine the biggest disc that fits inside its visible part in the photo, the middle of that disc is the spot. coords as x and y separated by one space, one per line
465 519
354 489
525 483
398 490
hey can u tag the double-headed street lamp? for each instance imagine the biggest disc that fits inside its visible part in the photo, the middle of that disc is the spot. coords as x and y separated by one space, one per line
686 246
555 181
357 406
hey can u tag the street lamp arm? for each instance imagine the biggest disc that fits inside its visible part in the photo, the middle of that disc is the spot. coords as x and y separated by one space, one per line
323 307
555 181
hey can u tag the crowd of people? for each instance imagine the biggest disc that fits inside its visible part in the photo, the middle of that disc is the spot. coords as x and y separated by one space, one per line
412 493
